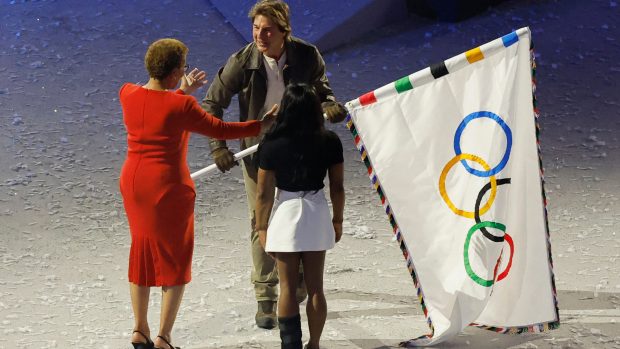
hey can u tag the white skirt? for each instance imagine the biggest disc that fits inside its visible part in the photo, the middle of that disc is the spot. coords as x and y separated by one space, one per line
300 221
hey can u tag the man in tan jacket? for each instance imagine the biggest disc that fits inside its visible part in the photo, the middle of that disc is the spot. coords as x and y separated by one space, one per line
258 74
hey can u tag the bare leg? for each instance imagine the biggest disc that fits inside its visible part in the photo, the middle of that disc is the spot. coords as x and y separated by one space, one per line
316 308
288 270
140 304
171 297
289 321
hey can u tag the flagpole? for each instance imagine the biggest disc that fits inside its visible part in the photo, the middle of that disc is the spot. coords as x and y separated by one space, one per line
212 167
238 156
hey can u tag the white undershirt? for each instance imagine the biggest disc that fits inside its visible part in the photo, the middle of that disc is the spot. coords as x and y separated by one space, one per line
275 82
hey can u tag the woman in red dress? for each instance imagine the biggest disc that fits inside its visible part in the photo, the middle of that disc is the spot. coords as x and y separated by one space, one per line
158 192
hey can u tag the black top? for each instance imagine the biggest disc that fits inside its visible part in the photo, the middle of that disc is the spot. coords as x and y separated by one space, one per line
301 165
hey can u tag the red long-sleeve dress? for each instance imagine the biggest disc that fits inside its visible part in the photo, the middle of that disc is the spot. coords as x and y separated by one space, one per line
158 192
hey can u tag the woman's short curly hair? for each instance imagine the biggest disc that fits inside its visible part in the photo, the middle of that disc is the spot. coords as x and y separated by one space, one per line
277 11
163 56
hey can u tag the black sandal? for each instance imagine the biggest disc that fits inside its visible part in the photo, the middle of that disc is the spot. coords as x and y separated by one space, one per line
169 345
148 345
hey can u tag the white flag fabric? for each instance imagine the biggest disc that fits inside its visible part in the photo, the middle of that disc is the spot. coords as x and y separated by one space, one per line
452 151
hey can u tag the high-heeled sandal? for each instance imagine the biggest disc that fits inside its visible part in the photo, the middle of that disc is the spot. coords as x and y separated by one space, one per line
148 345
169 345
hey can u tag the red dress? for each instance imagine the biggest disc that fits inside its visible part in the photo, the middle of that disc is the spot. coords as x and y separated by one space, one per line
158 192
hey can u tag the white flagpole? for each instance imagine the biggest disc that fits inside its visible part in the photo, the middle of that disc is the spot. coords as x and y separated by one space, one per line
240 155
212 167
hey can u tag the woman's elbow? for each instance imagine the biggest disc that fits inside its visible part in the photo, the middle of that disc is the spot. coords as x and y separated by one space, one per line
263 196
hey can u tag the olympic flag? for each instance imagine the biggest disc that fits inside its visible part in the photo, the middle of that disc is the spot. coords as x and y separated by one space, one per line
452 151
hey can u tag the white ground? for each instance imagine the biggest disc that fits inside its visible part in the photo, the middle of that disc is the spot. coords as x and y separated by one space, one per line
63 234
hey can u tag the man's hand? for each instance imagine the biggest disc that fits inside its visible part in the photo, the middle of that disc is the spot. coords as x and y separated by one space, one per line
338 230
262 238
334 111
224 159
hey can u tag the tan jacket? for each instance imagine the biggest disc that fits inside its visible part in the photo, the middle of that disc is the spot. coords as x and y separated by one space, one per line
244 75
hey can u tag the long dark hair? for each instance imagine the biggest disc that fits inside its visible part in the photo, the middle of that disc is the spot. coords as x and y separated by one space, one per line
300 115
300 119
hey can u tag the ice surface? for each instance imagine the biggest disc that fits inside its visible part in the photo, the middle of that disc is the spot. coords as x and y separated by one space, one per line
64 238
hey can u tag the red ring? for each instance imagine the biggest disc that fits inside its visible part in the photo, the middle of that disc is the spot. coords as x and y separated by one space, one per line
508 239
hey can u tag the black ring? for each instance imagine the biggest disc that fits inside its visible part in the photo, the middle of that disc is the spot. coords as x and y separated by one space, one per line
483 191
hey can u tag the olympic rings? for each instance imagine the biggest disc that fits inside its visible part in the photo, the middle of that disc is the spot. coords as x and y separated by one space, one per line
459 132
492 185
444 194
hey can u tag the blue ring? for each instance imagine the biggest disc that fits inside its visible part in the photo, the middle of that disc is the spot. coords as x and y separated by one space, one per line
459 132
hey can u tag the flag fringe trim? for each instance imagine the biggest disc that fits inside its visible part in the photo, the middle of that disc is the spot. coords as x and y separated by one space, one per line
536 113
388 210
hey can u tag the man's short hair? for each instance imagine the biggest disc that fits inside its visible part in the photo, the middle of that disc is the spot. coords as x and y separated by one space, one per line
163 56
277 11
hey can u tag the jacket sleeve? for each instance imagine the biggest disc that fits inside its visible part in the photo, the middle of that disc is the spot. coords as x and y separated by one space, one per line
225 85
319 79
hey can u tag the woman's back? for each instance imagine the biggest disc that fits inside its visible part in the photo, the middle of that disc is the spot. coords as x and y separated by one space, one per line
156 139
300 164
158 127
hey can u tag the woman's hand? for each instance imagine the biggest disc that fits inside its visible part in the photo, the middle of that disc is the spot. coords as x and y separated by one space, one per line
338 230
268 119
262 238
193 80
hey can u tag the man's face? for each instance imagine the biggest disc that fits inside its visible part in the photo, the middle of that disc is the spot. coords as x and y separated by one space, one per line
267 36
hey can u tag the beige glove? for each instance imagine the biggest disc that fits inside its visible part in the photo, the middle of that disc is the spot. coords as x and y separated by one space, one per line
334 111
224 159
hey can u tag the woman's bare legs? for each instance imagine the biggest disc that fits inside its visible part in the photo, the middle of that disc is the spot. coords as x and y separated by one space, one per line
316 308
171 297
140 304
289 321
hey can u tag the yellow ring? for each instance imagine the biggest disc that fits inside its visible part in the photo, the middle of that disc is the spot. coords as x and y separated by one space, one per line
444 194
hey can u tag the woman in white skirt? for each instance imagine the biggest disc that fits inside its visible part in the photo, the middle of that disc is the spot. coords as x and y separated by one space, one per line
295 157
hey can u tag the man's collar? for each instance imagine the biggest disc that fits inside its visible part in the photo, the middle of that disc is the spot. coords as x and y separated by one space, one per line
280 63
255 60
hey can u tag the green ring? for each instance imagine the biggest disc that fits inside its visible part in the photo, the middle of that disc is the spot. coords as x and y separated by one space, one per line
472 230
